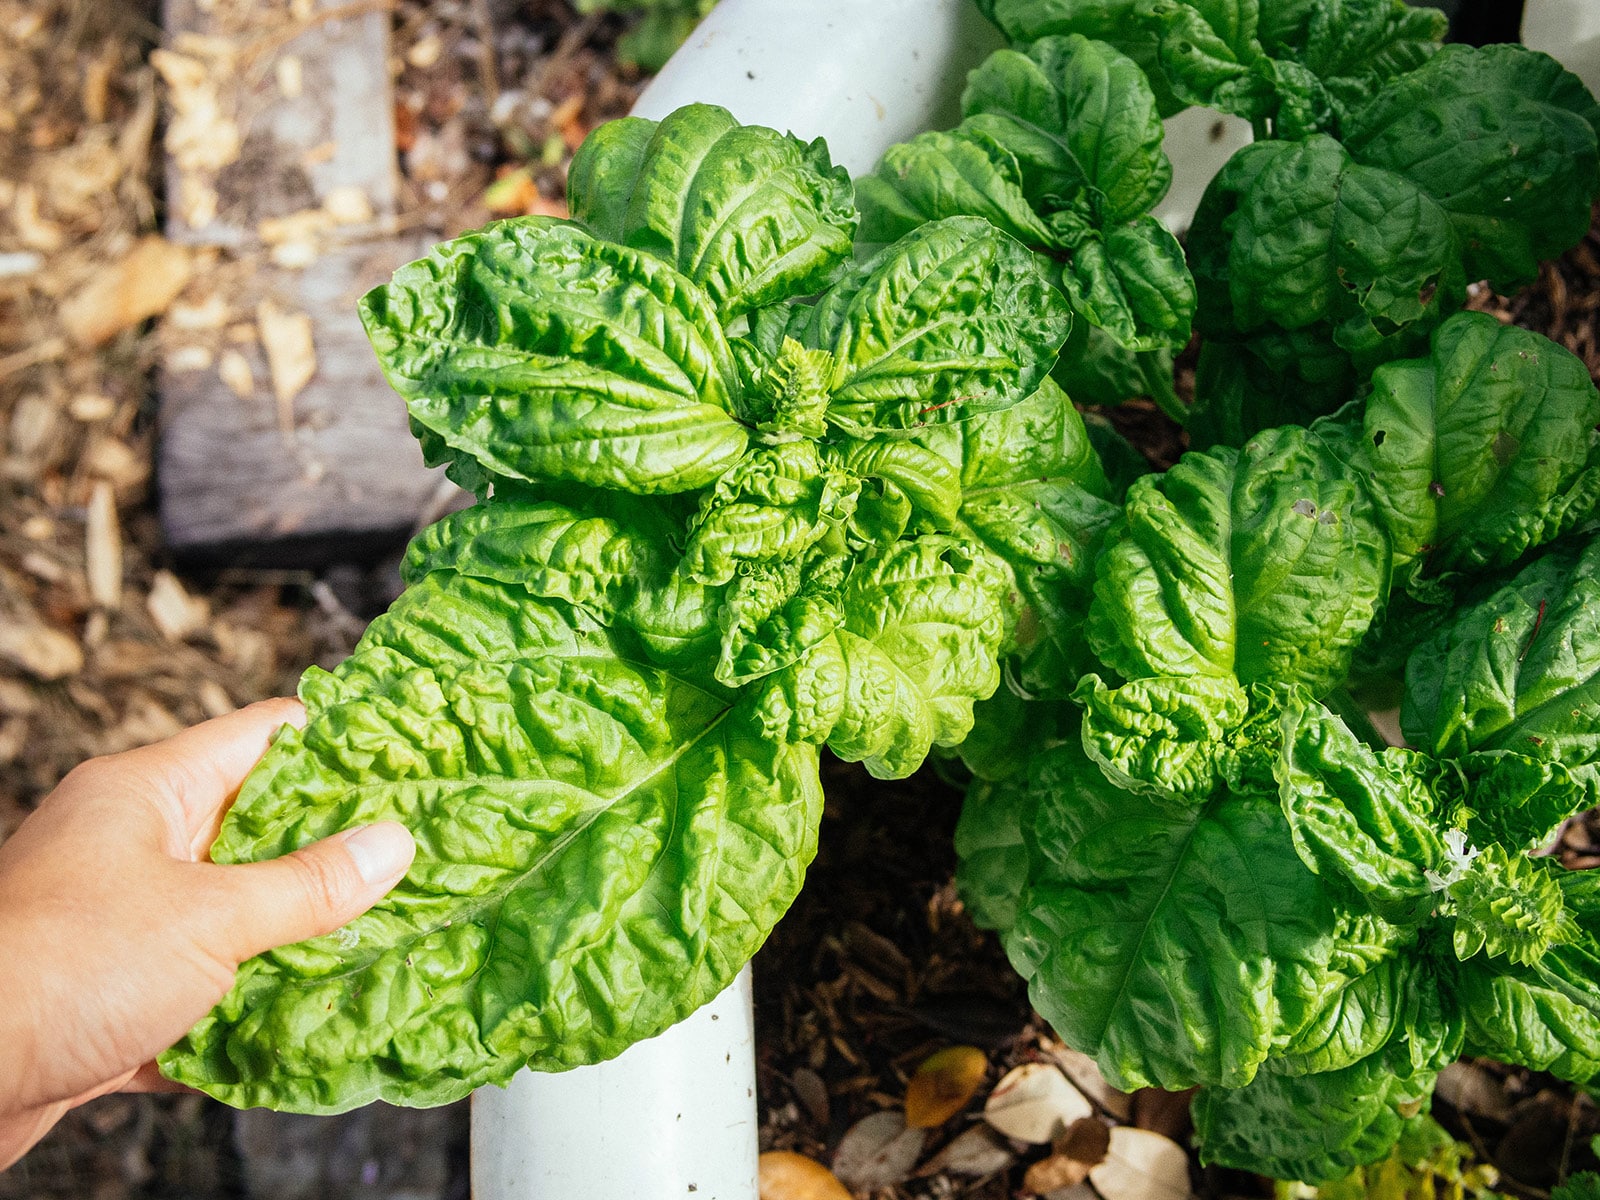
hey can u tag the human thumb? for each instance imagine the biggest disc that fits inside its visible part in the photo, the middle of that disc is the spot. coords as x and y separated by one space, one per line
316 889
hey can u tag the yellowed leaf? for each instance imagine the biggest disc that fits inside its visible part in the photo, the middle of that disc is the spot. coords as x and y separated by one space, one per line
785 1175
943 1084
138 287
103 546
291 355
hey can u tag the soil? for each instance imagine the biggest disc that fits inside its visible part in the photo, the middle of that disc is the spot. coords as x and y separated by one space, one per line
104 645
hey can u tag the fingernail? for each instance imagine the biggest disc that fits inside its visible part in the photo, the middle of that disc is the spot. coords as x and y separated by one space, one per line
381 851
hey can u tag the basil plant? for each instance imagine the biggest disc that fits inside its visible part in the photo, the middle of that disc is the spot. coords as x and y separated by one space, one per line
740 496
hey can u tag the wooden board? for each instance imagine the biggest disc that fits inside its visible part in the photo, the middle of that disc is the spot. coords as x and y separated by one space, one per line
331 472
336 474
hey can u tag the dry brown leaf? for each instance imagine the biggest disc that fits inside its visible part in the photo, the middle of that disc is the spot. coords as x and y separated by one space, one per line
103 546
138 287
878 1151
976 1152
785 1175
291 355
1054 1173
1087 1078
176 613
1034 1103
1140 1165
943 1084
41 651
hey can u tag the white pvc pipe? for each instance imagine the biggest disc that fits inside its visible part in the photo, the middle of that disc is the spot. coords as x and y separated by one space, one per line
1568 31
672 1118
862 73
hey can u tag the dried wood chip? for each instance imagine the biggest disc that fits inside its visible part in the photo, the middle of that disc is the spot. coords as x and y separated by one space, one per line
103 547
234 368
176 613
43 652
291 355
1140 1165
139 286
878 1151
785 1175
90 407
813 1093
214 698
1034 1103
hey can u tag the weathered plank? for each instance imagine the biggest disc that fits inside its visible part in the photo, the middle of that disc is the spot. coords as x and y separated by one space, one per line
330 471
337 467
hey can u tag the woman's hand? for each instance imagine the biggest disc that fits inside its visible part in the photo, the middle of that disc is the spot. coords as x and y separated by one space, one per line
117 932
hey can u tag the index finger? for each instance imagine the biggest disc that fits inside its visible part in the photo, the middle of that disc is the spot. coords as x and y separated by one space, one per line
202 767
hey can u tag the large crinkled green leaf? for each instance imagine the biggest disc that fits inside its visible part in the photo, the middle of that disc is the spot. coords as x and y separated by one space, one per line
1314 237
1365 821
952 320
1504 139
1032 491
600 847
1485 448
751 215
1519 671
993 871
1133 282
1164 736
553 551
1266 564
1124 24
927 482
923 624
1314 1128
1165 941
776 611
541 352
1353 46
934 175
774 504
1372 989
1077 114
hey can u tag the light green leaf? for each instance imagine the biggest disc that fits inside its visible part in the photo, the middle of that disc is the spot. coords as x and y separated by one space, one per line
540 352
923 623
775 503
1162 737
1165 941
934 175
952 320
1264 564
751 215
1134 284
1365 821
586 826
1485 448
